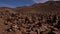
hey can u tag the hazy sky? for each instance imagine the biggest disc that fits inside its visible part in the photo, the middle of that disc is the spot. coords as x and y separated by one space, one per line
15 3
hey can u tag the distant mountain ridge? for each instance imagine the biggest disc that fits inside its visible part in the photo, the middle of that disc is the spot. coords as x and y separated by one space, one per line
50 6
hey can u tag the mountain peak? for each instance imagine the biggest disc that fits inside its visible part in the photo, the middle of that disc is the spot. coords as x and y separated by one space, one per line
52 2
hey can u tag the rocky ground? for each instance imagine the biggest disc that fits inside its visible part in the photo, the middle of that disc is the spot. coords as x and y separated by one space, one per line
15 22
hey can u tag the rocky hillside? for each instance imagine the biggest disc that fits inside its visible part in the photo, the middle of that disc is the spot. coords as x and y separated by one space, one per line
42 18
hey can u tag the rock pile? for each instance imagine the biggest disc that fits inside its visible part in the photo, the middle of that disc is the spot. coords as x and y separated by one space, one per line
17 23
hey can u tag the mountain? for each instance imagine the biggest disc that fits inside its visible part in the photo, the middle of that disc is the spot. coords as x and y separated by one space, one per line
50 6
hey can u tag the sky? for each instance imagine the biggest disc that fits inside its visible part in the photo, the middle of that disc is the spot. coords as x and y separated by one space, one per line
17 3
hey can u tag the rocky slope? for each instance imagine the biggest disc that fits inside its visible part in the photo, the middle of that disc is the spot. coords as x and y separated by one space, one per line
42 18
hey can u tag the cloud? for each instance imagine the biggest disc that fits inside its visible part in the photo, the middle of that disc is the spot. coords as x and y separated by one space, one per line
40 1
54 0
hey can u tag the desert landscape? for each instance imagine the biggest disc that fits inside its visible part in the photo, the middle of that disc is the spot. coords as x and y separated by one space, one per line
42 18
